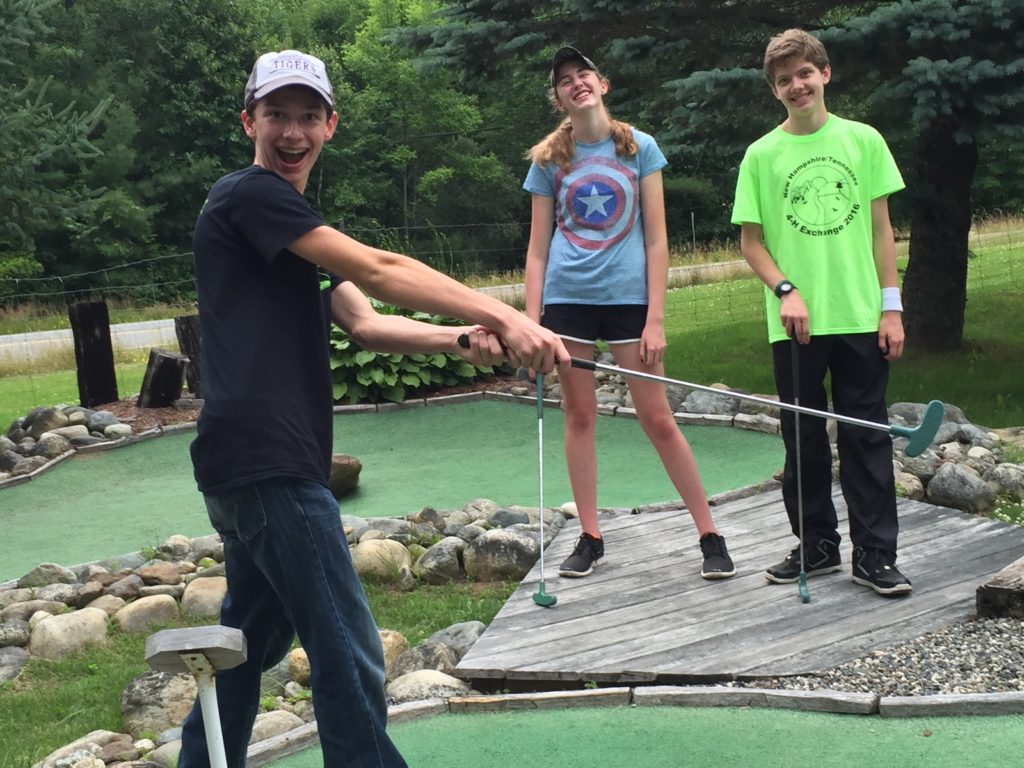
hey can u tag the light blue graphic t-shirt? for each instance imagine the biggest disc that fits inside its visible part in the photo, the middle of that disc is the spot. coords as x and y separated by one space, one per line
597 248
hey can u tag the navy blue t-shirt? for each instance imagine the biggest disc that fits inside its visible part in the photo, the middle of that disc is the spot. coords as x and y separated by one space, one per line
266 370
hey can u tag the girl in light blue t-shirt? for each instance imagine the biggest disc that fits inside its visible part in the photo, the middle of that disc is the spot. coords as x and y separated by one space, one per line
597 268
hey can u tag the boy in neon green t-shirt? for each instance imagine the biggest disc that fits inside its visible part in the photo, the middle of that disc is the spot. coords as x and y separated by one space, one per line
812 203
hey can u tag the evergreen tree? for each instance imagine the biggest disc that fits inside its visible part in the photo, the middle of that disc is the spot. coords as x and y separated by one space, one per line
34 191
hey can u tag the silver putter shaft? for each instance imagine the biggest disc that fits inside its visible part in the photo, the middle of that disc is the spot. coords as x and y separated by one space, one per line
919 437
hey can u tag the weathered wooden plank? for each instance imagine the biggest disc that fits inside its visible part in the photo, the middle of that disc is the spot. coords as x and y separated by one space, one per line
646 615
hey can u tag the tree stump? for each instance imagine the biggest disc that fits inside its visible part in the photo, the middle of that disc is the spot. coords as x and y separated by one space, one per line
186 328
162 382
1002 596
94 353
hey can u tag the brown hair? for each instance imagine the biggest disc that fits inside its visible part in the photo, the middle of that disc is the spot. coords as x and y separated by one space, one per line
793 43
559 145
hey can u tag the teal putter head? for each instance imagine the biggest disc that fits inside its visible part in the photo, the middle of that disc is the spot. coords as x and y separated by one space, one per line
921 436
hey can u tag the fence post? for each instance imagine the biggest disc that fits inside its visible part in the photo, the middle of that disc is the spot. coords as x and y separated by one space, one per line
186 328
94 353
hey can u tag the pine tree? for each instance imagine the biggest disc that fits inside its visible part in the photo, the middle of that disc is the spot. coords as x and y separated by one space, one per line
32 191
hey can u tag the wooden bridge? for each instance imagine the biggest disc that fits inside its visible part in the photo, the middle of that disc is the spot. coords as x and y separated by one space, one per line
646 616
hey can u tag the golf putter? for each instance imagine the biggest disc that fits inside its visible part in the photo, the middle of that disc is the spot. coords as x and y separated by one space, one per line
805 594
541 597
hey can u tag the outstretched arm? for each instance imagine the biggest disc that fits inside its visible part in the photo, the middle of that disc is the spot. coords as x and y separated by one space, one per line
371 330
406 282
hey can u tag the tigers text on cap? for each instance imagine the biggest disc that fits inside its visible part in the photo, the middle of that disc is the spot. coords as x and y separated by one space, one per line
280 68
568 53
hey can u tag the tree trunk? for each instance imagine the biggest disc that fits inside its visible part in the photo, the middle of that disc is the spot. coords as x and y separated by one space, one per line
94 353
186 328
161 384
935 285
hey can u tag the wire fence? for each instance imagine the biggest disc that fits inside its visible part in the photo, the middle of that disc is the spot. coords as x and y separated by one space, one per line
142 295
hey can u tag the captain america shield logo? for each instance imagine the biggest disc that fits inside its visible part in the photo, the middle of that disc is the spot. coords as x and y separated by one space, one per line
598 199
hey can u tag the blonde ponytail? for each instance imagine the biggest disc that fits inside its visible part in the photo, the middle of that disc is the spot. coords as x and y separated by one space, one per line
557 147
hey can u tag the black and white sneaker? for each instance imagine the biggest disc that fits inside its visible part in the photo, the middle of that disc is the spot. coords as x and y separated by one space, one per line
876 569
717 563
588 552
822 557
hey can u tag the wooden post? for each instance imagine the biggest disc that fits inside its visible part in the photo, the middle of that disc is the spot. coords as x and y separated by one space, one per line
186 328
161 384
94 353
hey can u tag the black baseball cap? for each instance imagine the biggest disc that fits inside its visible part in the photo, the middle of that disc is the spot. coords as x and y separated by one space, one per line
567 54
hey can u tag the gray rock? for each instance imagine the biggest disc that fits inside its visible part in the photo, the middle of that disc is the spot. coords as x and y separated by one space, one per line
51 445
42 420
100 420
700 401
9 459
442 563
430 654
156 701
470 532
499 555
23 611
460 637
505 517
1006 480
28 465
12 659
425 684
69 594
922 466
911 413
430 516
127 587
960 487
14 633
12 596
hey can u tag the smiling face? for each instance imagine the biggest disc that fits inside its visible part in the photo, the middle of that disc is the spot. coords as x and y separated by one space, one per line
578 87
800 86
288 128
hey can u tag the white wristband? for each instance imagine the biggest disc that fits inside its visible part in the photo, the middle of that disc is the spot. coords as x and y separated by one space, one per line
891 301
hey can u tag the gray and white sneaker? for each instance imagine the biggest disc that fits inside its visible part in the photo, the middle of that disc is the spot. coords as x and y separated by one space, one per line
588 552
717 563
876 569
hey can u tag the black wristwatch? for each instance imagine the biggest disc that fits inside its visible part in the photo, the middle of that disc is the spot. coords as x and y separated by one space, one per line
784 288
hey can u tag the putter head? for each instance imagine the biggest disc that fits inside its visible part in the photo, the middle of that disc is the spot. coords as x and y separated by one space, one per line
544 600
921 436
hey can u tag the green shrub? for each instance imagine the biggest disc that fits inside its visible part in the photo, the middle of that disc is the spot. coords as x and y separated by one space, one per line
361 376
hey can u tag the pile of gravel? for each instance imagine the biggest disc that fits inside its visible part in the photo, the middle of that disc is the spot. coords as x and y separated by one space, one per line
977 656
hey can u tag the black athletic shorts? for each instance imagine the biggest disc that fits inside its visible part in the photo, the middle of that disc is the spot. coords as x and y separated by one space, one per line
586 323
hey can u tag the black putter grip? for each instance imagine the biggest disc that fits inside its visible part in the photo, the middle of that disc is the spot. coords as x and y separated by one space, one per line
576 362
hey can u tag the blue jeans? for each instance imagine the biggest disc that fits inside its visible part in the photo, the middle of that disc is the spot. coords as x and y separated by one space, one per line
289 571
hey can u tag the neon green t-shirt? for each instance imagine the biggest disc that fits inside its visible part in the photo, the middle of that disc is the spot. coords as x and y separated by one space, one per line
812 197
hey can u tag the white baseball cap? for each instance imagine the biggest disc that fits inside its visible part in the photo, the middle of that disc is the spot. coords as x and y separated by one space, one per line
277 69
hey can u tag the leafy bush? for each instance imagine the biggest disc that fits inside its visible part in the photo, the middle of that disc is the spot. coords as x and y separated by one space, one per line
362 376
